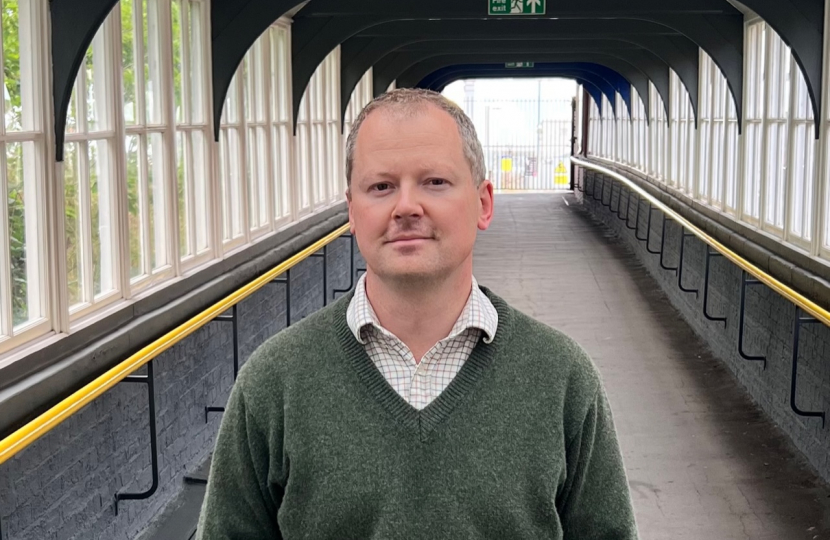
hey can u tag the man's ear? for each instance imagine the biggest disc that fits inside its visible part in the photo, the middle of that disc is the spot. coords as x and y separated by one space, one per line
349 204
485 199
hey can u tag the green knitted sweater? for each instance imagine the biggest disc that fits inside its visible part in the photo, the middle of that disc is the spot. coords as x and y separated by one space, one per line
314 443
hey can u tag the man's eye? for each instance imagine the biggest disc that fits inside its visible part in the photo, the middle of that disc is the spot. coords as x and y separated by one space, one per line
437 181
380 187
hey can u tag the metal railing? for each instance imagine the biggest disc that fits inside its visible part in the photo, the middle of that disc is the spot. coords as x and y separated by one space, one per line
124 371
815 313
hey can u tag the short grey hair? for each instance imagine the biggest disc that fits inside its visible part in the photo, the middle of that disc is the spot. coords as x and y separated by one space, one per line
410 100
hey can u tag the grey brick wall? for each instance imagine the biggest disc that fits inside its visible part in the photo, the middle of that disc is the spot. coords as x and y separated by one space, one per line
768 323
63 486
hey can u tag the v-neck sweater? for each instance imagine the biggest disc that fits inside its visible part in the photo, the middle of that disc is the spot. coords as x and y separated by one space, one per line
316 444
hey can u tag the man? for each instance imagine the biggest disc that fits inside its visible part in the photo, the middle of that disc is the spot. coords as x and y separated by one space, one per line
420 405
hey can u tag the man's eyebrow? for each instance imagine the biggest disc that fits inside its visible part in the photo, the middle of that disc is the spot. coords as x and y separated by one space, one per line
375 176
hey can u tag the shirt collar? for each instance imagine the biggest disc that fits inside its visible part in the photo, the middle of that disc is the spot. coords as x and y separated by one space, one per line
478 312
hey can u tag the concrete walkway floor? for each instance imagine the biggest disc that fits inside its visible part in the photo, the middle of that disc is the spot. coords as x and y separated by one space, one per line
703 463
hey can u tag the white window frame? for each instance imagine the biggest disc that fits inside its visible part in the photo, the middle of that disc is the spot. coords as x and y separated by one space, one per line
188 127
660 148
318 139
282 138
35 66
821 205
106 85
144 129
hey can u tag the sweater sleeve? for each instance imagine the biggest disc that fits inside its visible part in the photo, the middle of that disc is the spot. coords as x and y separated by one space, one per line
240 502
595 503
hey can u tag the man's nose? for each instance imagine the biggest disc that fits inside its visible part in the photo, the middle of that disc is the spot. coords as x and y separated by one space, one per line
408 203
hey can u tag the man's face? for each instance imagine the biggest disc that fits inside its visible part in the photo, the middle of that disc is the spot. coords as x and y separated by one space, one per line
413 206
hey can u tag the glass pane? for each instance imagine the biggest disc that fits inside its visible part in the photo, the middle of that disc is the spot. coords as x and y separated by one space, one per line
156 200
276 80
128 62
72 223
103 254
197 65
11 66
262 174
278 176
179 32
251 177
752 170
260 101
732 166
200 183
802 170
235 183
17 232
89 82
303 176
717 162
776 173
152 61
134 205
318 170
71 114
183 196
231 109
246 82
224 176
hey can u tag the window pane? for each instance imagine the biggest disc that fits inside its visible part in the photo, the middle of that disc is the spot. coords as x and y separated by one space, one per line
103 253
303 173
156 200
72 224
732 165
152 61
802 170
179 32
232 185
262 174
71 114
231 109
134 205
200 198
752 171
11 66
318 170
197 64
17 232
280 175
182 189
251 178
717 162
128 44
247 84
89 82
776 173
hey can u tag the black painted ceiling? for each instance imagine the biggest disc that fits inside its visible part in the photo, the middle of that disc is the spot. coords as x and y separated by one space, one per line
420 43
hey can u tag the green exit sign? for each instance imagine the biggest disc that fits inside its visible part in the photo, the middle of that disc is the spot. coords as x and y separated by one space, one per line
518 64
516 7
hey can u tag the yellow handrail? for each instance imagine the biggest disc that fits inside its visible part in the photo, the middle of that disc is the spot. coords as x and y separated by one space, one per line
796 298
47 421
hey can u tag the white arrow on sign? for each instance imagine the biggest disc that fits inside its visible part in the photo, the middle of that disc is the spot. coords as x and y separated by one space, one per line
533 4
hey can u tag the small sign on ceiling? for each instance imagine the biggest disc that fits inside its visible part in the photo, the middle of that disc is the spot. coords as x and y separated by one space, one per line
516 7
518 64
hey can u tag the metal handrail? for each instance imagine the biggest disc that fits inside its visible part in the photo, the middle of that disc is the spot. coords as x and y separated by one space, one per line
50 419
790 294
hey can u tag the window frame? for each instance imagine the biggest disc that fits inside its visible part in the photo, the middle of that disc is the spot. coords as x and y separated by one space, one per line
41 190
197 259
